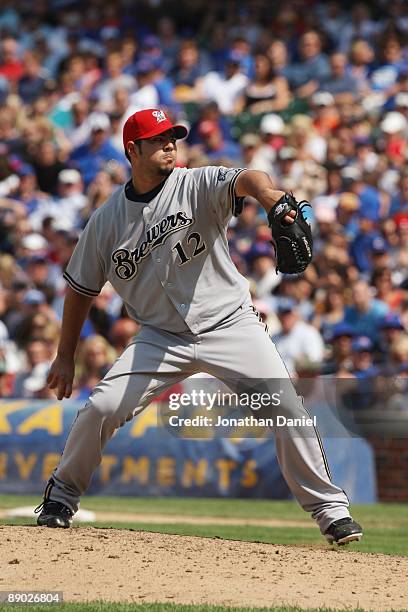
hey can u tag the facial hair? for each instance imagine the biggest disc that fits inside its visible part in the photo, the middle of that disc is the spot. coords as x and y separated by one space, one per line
165 171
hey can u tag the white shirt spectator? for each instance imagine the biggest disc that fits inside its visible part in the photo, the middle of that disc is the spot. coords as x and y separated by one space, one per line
66 207
145 97
106 90
302 341
225 92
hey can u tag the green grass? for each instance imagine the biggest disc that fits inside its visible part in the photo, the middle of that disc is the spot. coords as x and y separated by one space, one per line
385 525
239 508
375 514
155 607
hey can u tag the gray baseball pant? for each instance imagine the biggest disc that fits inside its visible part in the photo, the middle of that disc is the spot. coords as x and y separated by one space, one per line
238 348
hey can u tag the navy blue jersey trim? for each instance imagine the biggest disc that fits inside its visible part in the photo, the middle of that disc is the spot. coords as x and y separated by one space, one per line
79 288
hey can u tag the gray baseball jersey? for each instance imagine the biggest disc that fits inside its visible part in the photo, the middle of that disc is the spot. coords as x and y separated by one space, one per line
168 259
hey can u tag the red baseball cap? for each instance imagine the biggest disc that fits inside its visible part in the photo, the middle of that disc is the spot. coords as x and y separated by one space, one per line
148 123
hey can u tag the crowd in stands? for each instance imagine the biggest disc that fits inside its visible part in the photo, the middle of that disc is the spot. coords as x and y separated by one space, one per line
314 93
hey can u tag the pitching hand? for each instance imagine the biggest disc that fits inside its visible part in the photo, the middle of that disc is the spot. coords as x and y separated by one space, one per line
61 376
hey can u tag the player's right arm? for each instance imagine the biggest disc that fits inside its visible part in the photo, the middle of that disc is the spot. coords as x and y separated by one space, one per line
62 371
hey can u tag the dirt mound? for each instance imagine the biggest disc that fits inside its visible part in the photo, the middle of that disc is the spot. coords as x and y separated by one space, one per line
121 565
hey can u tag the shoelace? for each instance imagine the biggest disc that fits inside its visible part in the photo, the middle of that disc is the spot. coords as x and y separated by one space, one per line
46 497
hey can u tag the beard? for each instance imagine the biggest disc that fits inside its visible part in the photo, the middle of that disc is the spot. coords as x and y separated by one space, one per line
165 171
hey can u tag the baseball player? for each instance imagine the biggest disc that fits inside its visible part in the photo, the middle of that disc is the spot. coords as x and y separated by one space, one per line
161 242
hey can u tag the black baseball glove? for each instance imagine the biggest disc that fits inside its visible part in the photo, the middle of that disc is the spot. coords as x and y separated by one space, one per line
293 242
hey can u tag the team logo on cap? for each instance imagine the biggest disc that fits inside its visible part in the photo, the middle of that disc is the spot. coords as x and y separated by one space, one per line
160 116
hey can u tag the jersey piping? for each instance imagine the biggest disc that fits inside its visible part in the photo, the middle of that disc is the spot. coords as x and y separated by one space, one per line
237 203
79 288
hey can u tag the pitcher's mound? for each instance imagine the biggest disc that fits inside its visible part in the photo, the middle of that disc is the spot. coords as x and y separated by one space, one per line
121 565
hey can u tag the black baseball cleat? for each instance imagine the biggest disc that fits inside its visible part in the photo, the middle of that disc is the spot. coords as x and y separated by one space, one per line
54 514
343 531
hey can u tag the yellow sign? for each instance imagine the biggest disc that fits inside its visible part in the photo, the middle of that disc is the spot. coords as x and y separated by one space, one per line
48 419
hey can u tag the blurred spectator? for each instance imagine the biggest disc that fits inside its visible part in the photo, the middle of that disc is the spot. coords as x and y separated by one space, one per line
302 290
28 192
79 129
98 192
41 275
297 339
329 311
33 378
262 266
121 333
215 147
113 80
31 84
33 302
225 89
363 364
169 41
94 359
399 351
278 54
394 127
326 116
361 25
250 145
361 58
6 377
267 91
242 234
190 65
385 288
313 67
146 95
151 48
97 151
339 81
272 129
287 168
366 313
70 199
380 255
306 141
385 75
48 164
391 328
241 45
340 339
62 244
163 85
11 66
399 202
367 237
104 310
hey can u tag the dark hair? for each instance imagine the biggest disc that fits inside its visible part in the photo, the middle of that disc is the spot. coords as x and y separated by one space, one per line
378 273
271 71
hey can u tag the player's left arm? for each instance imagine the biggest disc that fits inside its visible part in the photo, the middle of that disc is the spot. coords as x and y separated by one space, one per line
259 185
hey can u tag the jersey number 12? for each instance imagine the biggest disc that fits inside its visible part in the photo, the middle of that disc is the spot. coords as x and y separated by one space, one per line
199 247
